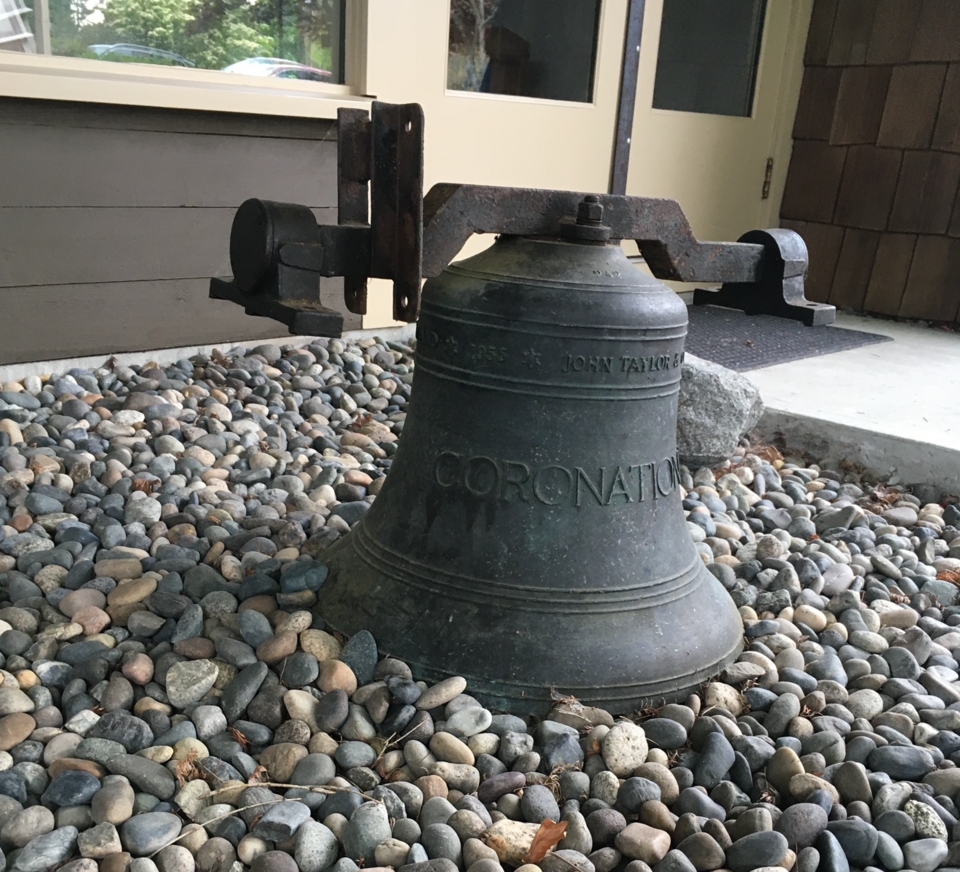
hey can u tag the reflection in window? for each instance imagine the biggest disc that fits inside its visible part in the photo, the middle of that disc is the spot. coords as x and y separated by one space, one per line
298 39
529 48
16 33
707 61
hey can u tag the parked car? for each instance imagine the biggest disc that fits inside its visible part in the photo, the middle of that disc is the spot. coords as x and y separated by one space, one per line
129 50
279 68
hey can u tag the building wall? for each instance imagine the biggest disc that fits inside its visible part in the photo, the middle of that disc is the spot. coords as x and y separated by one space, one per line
713 165
489 139
875 172
114 218
126 179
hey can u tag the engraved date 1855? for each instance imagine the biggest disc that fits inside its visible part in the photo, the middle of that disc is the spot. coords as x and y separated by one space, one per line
477 353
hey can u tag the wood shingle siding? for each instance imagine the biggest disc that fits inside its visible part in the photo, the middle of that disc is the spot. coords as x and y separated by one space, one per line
874 180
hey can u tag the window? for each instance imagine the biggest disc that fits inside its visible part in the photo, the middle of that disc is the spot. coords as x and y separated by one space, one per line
527 48
291 39
709 50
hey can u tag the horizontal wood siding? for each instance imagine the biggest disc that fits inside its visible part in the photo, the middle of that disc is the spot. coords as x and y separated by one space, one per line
115 244
146 168
114 218
58 321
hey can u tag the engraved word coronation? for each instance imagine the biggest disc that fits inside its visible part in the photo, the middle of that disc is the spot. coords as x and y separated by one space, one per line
556 485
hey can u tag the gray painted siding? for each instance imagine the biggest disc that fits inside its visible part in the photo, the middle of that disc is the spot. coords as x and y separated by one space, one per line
113 219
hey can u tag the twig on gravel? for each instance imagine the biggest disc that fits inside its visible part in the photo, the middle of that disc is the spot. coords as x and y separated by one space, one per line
328 789
219 817
313 788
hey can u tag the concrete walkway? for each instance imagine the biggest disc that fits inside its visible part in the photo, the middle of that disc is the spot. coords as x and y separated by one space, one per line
893 406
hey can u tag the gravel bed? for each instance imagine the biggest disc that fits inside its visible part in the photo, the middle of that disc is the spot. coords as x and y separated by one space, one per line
169 702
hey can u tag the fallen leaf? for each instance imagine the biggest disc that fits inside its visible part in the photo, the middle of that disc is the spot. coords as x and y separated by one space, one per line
241 739
259 774
546 839
187 769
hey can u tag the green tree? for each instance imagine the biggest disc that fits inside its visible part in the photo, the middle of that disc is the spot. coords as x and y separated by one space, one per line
211 34
230 39
304 30
157 23
64 17
65 21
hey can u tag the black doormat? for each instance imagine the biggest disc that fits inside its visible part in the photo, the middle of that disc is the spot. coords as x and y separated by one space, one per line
741 342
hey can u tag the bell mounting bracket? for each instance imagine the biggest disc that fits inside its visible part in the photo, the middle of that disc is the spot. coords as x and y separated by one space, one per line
388 229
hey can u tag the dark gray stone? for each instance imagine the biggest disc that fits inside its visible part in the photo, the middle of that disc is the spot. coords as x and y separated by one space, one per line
48 851
857 838
145 775
360 654
801 824
145 833
243 687
832 858
70 788
499 785
675 861
664 733
634 792
124 728
281 821
766 848
538 804
698 803
367 827
716 758
901 762
332 711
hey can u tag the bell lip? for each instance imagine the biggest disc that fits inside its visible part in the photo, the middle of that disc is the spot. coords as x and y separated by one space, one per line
535 698
532 699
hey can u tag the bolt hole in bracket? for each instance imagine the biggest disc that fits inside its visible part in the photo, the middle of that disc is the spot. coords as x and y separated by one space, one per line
388 229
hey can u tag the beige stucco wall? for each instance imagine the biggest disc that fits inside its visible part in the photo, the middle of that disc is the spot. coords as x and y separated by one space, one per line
713 165
486 138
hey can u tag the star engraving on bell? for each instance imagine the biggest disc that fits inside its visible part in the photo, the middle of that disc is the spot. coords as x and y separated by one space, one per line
531 358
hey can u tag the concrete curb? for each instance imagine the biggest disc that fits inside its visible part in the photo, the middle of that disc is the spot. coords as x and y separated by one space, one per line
902 461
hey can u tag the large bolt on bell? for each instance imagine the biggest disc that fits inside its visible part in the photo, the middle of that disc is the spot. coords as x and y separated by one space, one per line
530 535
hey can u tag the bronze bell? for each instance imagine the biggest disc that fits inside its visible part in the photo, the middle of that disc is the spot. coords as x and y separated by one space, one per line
530 535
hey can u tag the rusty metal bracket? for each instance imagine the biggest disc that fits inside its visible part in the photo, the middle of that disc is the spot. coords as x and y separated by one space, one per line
278 252
762 272
778 290
453 213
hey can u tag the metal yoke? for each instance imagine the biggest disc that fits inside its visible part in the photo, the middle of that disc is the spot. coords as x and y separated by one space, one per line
279 253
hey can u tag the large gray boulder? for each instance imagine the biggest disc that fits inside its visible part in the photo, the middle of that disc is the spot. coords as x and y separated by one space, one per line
717 407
